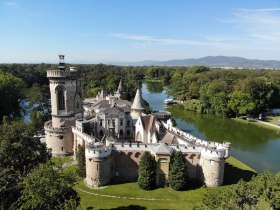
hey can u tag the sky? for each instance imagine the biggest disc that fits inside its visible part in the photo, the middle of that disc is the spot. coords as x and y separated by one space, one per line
94 31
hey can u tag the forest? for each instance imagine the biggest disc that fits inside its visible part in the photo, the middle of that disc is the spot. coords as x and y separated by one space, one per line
26 169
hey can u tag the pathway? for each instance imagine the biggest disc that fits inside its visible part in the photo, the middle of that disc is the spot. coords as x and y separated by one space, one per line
269 124
122 197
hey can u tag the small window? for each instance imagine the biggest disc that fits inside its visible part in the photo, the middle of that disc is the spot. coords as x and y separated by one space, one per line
121 122
100 122
61 148
113 122
128 123
97 167
128 132
109 121
60 137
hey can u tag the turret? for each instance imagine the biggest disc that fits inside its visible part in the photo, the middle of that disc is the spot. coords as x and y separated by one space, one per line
98 165
138 105
66 102
212 163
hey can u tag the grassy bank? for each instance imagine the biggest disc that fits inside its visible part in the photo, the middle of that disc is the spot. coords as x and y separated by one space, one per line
130 196
257 124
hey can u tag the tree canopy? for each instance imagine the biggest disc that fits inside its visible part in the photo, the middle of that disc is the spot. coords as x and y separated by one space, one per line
178 174
147 171
11 92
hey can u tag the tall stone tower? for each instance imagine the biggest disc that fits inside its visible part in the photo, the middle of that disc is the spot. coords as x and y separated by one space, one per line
66 101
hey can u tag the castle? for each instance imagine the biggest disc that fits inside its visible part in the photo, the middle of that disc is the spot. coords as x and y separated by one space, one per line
116 133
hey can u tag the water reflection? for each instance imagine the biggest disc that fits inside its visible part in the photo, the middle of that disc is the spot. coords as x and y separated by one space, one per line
256 146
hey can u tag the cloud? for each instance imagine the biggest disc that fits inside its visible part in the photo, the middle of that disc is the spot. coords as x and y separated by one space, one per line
12 4
152 39
259 24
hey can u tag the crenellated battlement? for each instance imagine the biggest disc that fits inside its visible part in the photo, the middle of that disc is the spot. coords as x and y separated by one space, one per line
94 151
60 73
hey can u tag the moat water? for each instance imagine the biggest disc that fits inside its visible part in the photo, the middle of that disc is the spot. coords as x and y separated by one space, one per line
255 146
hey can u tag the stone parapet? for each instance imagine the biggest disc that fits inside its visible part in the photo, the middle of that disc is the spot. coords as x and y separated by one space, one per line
87 138
60 73
49 128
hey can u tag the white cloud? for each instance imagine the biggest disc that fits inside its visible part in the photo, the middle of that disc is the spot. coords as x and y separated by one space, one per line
259 24
152 39
12 4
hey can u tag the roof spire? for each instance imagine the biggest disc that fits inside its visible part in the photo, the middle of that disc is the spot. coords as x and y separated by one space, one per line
138 103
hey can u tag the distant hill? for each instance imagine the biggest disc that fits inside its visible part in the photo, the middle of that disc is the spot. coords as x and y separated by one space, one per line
210 61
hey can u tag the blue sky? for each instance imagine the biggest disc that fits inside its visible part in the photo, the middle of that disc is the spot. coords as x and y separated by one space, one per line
92 31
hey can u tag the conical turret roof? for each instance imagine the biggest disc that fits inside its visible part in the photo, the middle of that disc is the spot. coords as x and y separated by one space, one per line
138 103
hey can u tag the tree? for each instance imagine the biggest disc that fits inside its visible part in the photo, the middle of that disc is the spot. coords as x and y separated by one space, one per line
178 174
147 171
10 188
81 162
11 93
47 187
19 150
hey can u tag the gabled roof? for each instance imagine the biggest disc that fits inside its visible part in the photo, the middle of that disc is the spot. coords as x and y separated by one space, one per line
148 122
138 103
162 149
169 139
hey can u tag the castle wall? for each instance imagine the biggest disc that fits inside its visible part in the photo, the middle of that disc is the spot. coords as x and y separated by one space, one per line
61 143
98 171
127 165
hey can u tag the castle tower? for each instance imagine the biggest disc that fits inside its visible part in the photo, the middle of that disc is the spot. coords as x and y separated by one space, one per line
67 106
98 165
138 105
212 163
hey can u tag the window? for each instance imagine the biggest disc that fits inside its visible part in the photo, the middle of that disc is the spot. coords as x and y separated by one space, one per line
60 98
121 122
100 122
128 132
60 137
61 148
109 121
113 122
128 123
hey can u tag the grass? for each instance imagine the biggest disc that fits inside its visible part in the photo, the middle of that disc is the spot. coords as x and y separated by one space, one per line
257 124
128 193
124 196
61 160
273 119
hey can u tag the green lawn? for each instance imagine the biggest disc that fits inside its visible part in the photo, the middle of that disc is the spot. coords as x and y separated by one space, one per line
61 160
273 119
257 124
130 196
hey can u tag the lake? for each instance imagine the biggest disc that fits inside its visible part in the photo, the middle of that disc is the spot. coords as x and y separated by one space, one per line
255 146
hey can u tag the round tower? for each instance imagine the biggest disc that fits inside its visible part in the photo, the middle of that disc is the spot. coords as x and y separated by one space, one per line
212 163
66 102
138 105
98 165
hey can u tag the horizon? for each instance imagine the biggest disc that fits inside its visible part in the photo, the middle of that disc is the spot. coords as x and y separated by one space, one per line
134 31
130 62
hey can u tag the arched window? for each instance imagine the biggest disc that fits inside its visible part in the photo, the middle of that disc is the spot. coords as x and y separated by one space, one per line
128 132
128 123
60 98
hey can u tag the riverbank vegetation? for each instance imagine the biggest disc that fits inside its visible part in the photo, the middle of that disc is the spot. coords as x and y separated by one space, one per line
227 93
